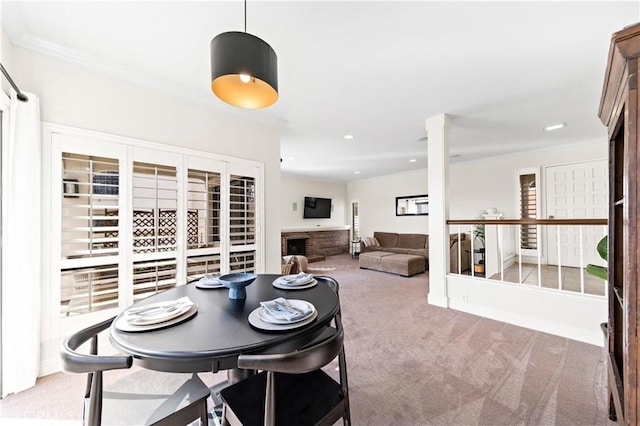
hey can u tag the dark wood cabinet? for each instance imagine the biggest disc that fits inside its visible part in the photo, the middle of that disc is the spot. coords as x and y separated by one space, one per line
619 112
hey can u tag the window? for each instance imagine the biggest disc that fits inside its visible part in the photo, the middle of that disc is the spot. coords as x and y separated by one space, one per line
355 221
242 220
204 219
242 207
528 209
131 218
154 228
89 234
155 207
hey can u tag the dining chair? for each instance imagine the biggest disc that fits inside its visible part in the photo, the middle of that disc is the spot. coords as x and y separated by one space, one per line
156 398
292 388
342 358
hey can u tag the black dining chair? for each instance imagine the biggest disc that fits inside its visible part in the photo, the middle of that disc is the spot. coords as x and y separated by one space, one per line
292 389
156 398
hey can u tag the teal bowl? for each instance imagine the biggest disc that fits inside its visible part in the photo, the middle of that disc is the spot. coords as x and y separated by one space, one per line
236 283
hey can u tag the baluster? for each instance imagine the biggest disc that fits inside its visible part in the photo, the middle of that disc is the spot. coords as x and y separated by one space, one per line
538 251
519 254
559 257
581 259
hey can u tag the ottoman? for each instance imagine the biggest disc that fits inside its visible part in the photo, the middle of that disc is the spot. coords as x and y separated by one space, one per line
403 264
372 259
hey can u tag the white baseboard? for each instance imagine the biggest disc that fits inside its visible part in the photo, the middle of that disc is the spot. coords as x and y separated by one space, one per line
594 338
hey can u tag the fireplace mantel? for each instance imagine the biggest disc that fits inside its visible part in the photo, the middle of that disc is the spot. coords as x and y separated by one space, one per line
314 228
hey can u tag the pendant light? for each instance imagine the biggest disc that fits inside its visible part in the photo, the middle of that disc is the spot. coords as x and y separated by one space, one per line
244 69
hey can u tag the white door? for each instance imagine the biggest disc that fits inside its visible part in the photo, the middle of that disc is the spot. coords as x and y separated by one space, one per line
576 191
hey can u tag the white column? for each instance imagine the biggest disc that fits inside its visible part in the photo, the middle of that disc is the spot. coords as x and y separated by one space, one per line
438 184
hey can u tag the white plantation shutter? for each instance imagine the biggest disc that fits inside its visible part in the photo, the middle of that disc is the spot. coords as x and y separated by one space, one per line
204 220
153 276
528 198
242 210
155 207
242 218
130 219
242 261
197 266
89 289
89 234
90 209
355 221
154 227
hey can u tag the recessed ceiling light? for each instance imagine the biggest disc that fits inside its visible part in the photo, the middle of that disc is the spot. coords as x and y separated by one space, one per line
348 137
291 158
555 126
413 160
356 172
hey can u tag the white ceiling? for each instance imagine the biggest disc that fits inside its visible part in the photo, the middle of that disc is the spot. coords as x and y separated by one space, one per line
377 70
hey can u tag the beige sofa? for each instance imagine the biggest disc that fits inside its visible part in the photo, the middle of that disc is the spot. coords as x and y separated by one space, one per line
418 244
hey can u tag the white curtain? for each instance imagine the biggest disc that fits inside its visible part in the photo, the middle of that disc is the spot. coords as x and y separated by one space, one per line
21 268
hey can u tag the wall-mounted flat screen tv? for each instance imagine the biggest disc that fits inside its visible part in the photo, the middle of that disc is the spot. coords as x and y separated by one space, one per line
317 208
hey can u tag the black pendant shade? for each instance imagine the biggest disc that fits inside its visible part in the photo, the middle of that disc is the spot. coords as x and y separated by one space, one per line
244 70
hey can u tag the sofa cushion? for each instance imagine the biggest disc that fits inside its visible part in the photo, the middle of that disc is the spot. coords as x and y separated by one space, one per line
418 252
397 250
412 241
387 239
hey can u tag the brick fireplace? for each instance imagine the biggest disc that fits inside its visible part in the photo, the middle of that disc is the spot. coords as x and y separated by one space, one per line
317 244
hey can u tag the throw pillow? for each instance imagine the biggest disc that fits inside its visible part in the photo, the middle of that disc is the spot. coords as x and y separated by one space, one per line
370 242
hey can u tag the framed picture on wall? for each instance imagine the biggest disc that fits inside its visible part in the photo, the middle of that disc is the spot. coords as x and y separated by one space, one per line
412 205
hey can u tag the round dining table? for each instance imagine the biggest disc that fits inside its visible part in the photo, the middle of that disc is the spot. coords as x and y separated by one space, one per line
220 331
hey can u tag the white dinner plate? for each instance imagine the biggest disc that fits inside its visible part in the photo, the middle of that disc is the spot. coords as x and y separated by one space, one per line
123 325
291 279
155 317
209 281
264 314
280 285
256 322
208 286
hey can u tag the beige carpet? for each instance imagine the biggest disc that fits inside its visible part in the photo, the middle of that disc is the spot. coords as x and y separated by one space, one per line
413 364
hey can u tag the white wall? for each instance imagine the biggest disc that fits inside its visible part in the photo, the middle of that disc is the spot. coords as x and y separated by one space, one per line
5 58
77 96
476 186
473 187
295 188
572 315
377 199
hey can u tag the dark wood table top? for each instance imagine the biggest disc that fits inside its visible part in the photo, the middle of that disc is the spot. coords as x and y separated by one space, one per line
220 331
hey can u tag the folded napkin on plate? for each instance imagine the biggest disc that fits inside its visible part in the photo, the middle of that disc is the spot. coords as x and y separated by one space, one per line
280 308
210 279
158 312
301 278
